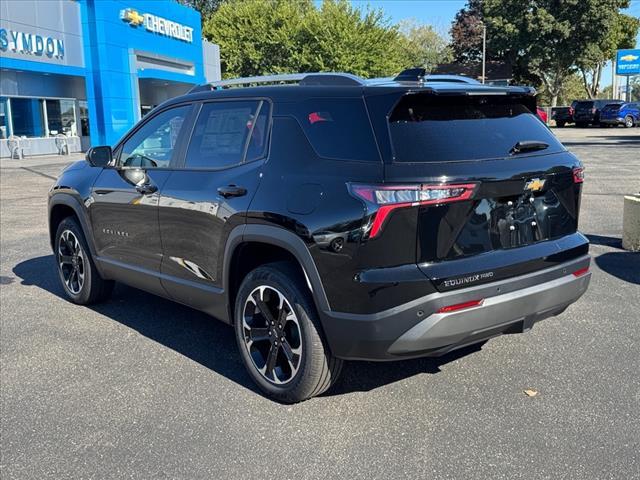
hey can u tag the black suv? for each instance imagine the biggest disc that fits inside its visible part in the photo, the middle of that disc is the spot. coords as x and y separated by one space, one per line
587 112
332 218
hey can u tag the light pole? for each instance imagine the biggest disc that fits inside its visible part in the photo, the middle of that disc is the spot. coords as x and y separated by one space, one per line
484 50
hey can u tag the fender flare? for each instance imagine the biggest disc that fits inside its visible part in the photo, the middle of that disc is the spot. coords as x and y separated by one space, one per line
72 202
281 238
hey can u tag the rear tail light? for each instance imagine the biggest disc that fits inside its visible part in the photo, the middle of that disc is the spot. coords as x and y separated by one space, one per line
582 271
460 306
578 175
387 198
571 110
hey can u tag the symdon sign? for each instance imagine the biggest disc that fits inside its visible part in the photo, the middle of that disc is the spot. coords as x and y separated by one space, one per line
31 44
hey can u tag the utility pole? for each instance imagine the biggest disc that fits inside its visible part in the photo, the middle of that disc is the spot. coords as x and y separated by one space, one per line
614 83
628 92
484 51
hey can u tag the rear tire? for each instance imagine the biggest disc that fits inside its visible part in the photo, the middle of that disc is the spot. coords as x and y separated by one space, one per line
560 124
280 337
77 272
581 124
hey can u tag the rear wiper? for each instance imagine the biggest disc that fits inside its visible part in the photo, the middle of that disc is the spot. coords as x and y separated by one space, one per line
528 146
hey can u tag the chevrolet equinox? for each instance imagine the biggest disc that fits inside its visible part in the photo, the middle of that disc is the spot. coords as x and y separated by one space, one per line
331 218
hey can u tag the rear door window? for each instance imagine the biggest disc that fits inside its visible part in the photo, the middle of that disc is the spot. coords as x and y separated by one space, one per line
224 131
428 128
339 128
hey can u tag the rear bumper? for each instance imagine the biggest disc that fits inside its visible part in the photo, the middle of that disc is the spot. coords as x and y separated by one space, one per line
416 329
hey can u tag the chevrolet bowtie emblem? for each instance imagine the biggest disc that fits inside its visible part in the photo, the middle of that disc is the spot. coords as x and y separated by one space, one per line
132 16
534 185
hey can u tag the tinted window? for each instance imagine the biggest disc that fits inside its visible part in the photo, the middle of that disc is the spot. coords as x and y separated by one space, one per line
584 105
339 128
426 128
152 146
220 134
257 147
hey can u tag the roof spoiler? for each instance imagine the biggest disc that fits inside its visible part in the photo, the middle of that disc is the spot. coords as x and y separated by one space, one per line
411 75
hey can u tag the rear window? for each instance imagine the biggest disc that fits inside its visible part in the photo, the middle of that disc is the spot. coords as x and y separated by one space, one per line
427 128
339 128
583 105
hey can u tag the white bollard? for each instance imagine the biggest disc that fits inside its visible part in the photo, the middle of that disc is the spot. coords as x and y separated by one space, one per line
631 223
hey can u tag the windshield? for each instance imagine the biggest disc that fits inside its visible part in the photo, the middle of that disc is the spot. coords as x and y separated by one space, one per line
428 128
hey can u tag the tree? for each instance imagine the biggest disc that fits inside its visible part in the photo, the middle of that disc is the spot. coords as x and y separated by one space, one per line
634 84
466 33
571 89
342 38
620 32
543 39
258 37
205 7
422 46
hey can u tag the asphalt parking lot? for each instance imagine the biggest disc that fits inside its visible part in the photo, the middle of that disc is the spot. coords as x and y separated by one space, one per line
140 387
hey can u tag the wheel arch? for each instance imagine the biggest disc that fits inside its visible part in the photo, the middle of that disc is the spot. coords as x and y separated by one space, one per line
63 205
250 246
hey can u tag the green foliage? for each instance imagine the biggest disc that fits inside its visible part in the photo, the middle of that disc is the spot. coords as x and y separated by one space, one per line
422 46
571 89
205 7
259 37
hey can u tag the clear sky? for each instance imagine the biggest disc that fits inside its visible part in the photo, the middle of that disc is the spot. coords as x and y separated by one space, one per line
440 13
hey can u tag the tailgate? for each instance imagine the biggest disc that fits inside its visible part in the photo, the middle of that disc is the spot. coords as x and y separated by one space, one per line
523 212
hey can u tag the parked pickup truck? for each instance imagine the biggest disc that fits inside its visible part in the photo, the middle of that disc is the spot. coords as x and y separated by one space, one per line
563 115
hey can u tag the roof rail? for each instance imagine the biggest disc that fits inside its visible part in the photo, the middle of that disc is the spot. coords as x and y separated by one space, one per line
316 78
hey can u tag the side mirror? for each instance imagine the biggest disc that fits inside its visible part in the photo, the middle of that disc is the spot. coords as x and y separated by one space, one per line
99 156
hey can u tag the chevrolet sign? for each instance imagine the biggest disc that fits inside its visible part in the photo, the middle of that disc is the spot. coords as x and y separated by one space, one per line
628 62
153 23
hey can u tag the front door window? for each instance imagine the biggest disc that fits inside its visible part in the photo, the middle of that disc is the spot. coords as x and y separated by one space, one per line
153 145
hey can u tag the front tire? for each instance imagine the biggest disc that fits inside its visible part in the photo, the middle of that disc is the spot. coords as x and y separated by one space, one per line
279 335
77 272
628 121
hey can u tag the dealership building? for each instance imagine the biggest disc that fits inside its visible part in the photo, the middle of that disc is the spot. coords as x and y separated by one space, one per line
81 72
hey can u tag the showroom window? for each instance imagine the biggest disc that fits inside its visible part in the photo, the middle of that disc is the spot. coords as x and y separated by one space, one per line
27 117
4 118
39 117
61 117
84 118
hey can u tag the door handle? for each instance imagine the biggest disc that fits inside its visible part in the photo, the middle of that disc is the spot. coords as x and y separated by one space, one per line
232 191
146 188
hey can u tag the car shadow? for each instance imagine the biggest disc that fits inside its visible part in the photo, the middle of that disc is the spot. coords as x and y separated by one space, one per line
606 241
623 265
212 343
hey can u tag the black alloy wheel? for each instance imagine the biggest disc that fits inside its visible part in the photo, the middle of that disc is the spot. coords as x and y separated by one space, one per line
279 334
71 261
78 274
272 336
